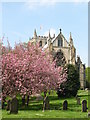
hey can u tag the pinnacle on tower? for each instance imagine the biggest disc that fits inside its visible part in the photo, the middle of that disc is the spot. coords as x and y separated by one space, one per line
35 34
49 34
70 36
60 30
71 40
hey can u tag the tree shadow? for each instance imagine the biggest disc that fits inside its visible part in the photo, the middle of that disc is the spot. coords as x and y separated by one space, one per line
31 107
74 107
83 95
55 106
53 98
39 106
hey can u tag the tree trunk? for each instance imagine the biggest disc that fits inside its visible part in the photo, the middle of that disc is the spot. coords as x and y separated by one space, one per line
49 92
44 105
3 102
23 100
27 100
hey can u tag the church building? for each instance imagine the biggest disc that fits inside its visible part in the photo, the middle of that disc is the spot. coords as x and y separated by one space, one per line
63 50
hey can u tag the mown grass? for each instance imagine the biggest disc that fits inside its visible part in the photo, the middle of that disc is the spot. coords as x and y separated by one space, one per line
34 110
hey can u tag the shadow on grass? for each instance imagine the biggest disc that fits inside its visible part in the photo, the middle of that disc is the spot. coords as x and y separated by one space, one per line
31 107
55 106
83 95
74 107
40 107
53 98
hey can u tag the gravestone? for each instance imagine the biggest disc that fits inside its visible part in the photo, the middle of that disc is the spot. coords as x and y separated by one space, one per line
46 103
78 101
8 105
14 105
84 106
65 105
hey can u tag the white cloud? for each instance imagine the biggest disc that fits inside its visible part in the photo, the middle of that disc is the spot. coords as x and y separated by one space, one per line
33 4
52 32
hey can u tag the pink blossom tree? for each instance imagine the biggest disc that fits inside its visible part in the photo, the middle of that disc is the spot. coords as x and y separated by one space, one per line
29 70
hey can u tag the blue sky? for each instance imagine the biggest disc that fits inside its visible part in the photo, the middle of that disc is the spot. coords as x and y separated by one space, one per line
21 18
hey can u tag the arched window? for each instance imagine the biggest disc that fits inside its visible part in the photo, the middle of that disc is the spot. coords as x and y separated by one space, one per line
40 43
60 43
60 58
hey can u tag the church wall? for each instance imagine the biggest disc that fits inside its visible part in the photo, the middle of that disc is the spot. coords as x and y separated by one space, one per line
65 43
82 76
55 43
65 52
44 40
68 50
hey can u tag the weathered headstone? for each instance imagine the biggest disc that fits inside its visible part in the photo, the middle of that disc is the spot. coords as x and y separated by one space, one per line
84 106
46 103
78 101
14 105
65 105
8 105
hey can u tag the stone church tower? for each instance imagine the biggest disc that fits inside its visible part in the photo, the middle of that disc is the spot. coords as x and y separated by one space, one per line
63 50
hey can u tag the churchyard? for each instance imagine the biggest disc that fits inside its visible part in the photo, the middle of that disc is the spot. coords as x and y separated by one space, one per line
35 86
57 109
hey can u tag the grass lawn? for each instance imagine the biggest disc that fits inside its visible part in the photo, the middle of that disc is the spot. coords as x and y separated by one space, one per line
34 110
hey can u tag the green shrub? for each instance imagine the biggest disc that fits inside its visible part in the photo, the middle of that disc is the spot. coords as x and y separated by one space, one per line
72 85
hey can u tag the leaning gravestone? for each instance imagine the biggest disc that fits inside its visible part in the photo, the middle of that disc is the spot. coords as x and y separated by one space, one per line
84 106
14 105
78 101
46 103
8 105
65 105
